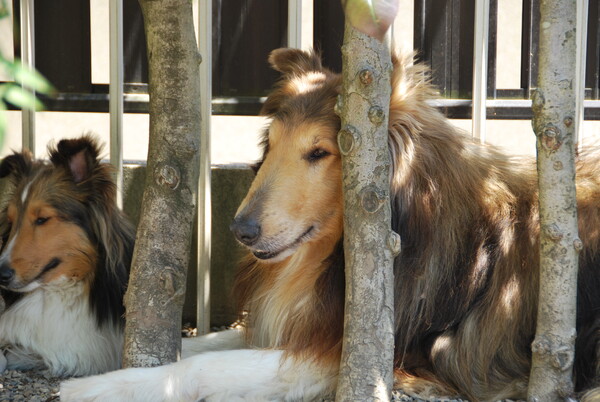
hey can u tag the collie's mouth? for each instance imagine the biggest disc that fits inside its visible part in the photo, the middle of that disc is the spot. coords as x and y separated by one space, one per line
267 255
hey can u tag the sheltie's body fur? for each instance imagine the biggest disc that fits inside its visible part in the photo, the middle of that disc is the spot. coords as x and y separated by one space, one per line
64 263
466 278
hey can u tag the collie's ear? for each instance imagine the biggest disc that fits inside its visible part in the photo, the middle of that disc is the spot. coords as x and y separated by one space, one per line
294 61
17 164
79 156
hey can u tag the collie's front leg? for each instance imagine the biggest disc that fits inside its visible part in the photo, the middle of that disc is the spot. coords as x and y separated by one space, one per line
258 375
223 340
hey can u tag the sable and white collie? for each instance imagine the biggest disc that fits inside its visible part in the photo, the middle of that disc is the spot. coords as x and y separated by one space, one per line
64 264
466 279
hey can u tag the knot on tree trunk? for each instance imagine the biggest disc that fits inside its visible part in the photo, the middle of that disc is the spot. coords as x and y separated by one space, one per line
558 351
366 76
173 284
394 243
167 176
371 198
553 232
348 139
339 105
537 102
551 138
376 115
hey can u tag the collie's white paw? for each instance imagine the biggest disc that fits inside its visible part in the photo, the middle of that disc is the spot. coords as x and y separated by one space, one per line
231 375
135 384
90 389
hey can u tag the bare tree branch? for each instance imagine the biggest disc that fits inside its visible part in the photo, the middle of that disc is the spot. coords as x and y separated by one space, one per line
554 112
157 285
366 369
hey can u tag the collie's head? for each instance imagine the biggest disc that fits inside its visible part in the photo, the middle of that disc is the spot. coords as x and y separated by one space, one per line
296 197
61 224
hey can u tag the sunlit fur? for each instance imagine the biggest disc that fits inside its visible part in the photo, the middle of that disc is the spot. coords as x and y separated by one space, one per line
467 276
64 263
466 279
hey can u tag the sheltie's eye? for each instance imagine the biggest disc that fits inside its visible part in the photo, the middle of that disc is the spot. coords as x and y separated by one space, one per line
40 221
316 154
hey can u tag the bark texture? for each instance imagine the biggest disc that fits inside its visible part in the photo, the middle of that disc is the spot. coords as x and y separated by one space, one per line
366 368
155 296
553 123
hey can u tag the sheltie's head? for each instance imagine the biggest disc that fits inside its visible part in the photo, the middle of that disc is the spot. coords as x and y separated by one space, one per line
61 224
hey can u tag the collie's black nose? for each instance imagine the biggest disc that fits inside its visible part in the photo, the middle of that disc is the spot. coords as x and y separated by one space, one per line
6 274
246 230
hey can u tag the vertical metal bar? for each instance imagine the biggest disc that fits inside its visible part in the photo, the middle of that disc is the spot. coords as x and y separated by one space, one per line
581 32
480 61
308 20
420 26
28 59
204 189
529 45
593 64
403 27
116 93
492 53
294 34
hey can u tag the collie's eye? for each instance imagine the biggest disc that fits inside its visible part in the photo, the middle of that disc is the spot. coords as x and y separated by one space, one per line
316 154
40 221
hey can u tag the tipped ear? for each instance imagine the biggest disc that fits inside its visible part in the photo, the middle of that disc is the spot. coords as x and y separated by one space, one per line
18 164
291 63
79 156
294 61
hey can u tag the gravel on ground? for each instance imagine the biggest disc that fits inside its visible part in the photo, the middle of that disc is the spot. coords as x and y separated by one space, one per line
28 386
39 386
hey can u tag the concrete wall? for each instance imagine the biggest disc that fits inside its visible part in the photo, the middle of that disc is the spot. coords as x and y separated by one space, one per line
229 186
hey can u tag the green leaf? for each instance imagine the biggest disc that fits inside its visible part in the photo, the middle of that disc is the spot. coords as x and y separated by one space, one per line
26 76
6 64
3 10
372 17
3 122
32 79
359 9
22 98
359 6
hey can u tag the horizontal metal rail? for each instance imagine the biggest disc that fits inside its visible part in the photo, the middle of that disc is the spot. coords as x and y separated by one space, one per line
496 109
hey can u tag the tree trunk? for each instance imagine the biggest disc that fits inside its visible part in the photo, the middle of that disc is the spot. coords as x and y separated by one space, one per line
554 112
366 368
155 296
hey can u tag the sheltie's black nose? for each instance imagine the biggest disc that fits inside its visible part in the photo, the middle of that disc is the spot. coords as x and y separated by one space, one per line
6 274
246 230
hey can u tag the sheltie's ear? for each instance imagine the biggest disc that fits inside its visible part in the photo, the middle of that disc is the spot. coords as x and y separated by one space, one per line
295 61
79 156
17 164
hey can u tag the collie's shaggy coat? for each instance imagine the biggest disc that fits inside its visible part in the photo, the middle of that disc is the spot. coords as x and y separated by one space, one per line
64 264
466 278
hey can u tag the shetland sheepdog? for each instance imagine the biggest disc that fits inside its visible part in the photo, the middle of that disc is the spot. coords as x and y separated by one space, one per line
466 280
66 251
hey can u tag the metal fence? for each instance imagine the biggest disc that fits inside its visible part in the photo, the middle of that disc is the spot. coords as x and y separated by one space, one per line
457 38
